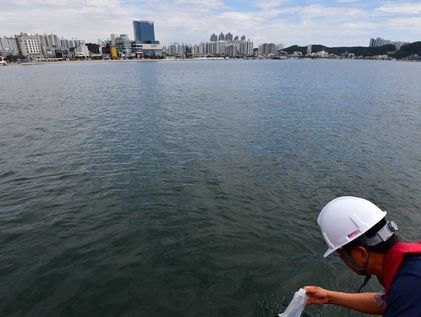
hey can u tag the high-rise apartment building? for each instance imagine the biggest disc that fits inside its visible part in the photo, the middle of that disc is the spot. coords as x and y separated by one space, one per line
8 46
230 46
29 45
267 49
144 32
67 44
49 44
380 42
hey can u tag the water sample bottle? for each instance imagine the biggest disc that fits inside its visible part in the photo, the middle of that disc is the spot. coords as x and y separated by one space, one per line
297 305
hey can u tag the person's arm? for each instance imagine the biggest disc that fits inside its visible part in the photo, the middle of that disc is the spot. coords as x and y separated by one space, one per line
368 303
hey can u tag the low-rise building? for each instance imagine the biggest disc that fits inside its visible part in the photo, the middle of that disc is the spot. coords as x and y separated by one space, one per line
322 54
82 51
150 50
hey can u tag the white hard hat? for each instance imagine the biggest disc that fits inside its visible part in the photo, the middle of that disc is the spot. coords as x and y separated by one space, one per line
344 219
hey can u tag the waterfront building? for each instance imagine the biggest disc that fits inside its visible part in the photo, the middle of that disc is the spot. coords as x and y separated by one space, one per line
28 45
37 46
77 42
228 37
230 50
399 44
123 45
219 48
68 44
150 50
378 42
246 48
267 49
50 43
49 40
8 46
176 49
199 49
82 51
309 49
213 37
189 51
137 50
381 42
221 37
113 37
211 48
144 32
322 54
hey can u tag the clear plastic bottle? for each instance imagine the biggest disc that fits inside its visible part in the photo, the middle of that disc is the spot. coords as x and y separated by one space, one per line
297 305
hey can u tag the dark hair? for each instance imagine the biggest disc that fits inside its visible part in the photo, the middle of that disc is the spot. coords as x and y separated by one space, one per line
382 247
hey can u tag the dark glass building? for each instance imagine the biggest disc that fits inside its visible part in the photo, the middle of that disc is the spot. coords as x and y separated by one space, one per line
144 32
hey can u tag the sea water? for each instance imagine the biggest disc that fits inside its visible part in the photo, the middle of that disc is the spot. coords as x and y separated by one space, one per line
193 188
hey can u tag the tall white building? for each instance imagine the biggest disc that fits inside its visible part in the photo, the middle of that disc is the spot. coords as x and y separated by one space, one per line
68 44
380 42
8 46
267 49
49 44
29 45
246 48
220 48
36 46
176 49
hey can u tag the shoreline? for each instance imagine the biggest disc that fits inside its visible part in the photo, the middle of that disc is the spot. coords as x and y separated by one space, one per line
198 60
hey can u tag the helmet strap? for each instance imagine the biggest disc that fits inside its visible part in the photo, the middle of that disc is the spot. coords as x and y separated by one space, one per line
358 269
366 279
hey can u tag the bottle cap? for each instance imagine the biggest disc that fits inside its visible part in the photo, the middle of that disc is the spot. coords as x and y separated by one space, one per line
301 292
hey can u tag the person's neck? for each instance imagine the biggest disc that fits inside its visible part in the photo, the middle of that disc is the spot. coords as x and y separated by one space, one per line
375 265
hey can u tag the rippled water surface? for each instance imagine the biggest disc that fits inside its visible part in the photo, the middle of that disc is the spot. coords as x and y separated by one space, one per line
193 188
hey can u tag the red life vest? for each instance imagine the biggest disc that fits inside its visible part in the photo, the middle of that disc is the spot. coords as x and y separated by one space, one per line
393 260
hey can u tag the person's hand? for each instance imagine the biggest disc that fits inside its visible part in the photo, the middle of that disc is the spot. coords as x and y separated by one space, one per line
316 295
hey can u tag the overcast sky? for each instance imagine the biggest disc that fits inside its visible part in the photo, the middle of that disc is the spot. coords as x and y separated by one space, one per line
328 22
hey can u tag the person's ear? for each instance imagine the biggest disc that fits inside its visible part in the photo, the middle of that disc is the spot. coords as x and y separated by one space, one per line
360 255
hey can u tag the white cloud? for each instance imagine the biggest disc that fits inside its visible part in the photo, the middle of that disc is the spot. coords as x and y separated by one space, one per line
269 4
347 1
403 24
400 8
192 21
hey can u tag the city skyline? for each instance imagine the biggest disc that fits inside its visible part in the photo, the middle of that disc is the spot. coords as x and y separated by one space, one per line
333 23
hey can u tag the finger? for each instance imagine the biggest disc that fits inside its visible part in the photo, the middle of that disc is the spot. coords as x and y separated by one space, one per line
310 289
